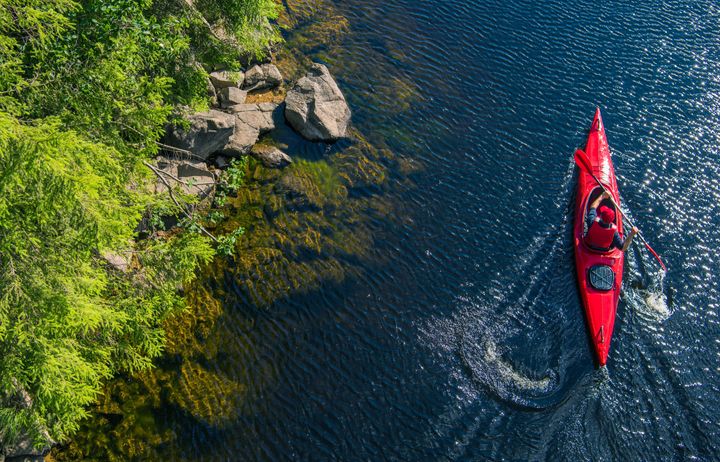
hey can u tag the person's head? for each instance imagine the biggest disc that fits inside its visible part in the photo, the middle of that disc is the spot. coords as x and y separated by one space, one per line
606 214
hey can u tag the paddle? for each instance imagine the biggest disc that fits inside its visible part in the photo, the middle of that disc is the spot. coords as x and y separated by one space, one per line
583 162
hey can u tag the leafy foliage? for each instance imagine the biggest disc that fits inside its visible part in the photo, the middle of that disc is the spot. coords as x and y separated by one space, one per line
86 88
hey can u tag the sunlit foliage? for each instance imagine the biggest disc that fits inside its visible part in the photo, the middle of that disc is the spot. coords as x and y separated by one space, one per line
86 89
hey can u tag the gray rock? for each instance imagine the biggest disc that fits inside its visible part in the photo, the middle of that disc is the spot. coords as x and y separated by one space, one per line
208 132
316 107
212 94
24 451
271 157
262 76
262 116
221 162
193 177
21 447
241 140
230 96
251 120
224 79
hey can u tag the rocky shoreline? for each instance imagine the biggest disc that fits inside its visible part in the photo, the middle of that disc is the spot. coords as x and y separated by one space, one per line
313 187
195 152
313 106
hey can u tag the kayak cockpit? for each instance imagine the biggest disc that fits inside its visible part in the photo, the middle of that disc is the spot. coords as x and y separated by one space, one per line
589 199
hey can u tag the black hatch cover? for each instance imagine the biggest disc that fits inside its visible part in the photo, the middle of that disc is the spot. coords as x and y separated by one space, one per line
602 277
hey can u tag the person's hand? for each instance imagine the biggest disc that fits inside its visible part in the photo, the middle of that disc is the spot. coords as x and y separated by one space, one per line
634 230
606 195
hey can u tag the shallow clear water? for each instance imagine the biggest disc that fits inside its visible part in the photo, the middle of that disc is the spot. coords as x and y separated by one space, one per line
459 335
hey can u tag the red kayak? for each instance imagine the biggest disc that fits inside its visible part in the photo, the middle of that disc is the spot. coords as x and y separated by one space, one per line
599 272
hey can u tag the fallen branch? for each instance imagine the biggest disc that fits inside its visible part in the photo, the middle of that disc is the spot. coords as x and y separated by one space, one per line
158 173
186 183
167 147
164 146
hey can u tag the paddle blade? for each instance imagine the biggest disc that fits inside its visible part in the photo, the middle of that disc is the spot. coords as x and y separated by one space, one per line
657 257
582 161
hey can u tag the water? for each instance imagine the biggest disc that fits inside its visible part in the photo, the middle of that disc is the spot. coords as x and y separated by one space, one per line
450 328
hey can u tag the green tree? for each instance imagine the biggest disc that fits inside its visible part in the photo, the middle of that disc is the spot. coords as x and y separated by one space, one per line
86 89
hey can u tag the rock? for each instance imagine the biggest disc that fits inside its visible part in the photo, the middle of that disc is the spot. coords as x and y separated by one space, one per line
212 94
192 176
300 190
21 447
24 451
241 140
271 157
262 76
316 107
230 96
221 162
263 116
208 132
225 79
251 120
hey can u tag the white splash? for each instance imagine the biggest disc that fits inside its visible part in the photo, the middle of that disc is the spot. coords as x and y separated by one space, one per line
510 374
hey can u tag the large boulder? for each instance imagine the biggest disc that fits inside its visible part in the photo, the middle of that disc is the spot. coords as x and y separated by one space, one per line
262 76
316 107
206 133
225 79
270 157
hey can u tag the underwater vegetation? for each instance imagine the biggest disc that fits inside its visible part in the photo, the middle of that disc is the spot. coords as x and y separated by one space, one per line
306 226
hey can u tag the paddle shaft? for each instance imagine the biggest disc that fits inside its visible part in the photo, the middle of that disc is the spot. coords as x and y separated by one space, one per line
580 156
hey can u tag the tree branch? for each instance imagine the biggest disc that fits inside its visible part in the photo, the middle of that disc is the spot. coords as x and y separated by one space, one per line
158 173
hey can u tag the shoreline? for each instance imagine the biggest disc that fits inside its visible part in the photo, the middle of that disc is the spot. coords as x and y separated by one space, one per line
283 212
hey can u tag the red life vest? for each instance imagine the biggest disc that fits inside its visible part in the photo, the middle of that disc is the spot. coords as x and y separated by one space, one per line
599 237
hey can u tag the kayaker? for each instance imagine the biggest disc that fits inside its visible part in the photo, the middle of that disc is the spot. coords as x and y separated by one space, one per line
602 233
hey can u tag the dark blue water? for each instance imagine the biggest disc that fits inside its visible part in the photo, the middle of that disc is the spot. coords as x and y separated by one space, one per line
464 338
467 341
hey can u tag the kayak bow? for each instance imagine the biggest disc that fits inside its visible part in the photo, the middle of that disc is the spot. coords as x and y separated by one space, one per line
599 272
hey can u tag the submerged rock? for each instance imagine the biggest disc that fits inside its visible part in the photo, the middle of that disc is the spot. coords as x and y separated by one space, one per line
270 157
207 132
262 76
225 79
316 107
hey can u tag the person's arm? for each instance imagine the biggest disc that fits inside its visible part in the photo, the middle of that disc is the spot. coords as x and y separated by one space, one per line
589 218
629 239
592 213
596 202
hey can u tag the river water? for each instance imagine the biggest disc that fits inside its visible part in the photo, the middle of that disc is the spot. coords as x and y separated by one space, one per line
456 331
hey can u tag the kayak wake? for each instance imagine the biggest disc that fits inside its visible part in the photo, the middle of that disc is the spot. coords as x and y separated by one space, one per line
523 314
492 370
